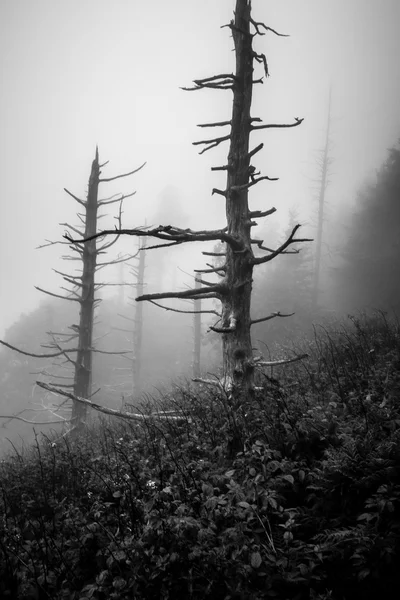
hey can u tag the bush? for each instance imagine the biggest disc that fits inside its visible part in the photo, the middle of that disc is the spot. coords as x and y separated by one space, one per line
308 509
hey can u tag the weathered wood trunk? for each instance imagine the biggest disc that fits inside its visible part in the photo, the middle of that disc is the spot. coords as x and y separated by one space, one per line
83 367
197 334
237 346
138 328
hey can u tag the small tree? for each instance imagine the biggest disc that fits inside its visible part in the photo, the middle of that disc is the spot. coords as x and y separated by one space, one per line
234 278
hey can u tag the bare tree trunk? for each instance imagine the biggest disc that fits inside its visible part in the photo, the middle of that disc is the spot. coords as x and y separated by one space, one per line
321 205
197 334
236 320
84 359
138 328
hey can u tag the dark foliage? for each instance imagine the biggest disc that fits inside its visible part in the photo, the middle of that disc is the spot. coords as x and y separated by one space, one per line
309 510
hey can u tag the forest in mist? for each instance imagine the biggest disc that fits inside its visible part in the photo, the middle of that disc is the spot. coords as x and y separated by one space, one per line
351 214
359 273
200 300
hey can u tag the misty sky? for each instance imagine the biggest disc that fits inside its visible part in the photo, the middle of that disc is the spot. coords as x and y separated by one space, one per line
79 72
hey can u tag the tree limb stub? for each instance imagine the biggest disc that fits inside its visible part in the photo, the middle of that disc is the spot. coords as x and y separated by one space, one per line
214 253
255 150
229 329
220 192
216 124
258 214
262 59
222 168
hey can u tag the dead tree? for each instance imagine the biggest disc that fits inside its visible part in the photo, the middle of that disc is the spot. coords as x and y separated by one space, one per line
138 329
82 291
196 334
324 181
135 330
234 278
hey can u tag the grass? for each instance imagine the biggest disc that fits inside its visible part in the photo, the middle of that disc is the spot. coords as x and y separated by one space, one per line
308 509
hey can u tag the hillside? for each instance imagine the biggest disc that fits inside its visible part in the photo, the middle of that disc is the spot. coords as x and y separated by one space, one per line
310 509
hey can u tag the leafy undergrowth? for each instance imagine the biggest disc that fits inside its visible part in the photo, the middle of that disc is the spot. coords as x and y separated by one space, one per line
308 509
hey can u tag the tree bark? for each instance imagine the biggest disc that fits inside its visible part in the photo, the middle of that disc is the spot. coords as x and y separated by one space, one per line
83 367
197 334
237 347
138 328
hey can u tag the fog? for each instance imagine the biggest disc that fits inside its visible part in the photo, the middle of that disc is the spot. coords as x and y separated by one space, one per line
80 74
77 74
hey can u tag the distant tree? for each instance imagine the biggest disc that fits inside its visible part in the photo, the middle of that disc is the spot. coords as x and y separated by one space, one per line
133 324
325 161
234 277
369 276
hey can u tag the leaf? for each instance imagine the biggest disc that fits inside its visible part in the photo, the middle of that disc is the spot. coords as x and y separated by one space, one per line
119 583
244 504
303 569
365 517
207 489
255 560
272 502
252 472
117 494
288 536
230 474
302 475
288 478
363 574
102 577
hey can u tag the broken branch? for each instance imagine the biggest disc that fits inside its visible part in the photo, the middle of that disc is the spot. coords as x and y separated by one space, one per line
297 122
291 240
103 409
271 316
123 175
274 363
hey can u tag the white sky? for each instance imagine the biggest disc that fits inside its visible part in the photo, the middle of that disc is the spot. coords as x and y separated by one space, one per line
80 72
